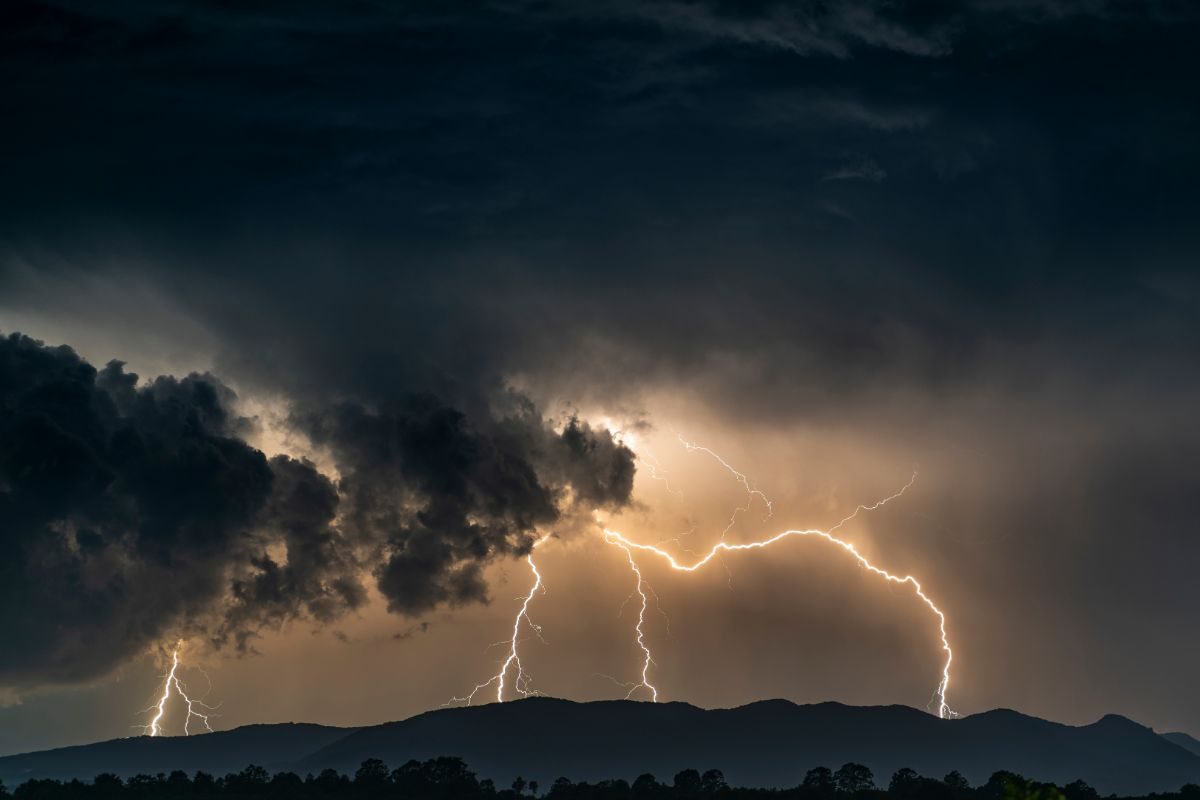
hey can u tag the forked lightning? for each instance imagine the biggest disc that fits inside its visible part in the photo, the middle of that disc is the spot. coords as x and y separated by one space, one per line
618 539
521 681
172 681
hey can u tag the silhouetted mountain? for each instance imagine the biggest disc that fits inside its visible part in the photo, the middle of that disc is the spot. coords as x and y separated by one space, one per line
272 746
771 743
1189 743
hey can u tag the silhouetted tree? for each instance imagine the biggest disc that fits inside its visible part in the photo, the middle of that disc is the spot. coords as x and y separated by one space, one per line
372 779
106 786
955 780
406 779
37 790
820 781
1079 790
713 781
450 779
1001 784
285 786
646 787
853 778
203 783
371 772
1010 786
612 790
139 782
249 781
904 782
687 783
331 782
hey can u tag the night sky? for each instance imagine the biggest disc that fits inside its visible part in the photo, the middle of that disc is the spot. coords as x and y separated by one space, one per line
315 317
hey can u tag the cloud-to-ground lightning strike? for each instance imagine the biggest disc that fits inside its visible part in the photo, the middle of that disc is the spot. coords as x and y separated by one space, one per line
943 685
618 539
647 658
173 681
522 681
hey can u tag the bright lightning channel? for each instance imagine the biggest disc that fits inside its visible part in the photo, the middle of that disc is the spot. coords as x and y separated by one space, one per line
522 682
647 658
618 539
172 681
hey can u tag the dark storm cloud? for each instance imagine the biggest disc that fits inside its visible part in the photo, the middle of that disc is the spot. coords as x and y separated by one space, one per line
127 510
135 512
588 163
320 576
969 226
447 494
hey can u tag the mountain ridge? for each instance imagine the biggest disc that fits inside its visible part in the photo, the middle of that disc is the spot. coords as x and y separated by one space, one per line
769 743
1189 743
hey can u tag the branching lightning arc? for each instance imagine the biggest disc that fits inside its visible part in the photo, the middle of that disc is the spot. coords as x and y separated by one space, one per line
172 681
521 682
618 539
647 657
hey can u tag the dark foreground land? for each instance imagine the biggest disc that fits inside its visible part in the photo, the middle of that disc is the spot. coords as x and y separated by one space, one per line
765 745
449 778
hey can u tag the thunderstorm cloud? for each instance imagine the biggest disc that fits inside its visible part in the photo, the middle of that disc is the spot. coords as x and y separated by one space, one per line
843 239
134 511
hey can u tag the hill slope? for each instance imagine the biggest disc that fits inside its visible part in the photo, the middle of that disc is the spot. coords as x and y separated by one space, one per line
771 743
272 746
1189 743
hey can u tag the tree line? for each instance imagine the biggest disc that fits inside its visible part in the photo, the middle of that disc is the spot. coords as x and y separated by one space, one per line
449 778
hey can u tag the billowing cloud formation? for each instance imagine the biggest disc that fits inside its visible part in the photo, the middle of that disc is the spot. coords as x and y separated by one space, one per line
130 512
320 575
446 495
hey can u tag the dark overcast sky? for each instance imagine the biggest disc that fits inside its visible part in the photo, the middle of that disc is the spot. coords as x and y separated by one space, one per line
961 235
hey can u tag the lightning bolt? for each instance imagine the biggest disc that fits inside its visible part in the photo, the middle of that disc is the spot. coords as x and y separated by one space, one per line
647 658
656 474
877 504
656 470
522 683
172 681
943 685
618 539
751 492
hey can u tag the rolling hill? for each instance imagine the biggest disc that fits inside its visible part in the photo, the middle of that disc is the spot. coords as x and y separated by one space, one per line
770 743
1189 743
